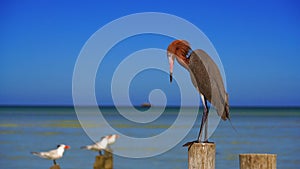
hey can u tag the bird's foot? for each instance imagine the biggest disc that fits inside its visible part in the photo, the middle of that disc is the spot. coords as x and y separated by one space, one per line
188 144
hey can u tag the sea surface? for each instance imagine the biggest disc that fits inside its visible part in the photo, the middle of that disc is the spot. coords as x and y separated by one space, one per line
258 130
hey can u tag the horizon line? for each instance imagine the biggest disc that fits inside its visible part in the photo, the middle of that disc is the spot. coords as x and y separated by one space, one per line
140 106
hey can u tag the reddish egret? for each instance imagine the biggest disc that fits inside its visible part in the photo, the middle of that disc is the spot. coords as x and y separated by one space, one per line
206 78
53 154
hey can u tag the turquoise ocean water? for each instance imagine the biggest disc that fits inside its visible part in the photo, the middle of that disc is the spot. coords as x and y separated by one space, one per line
259 130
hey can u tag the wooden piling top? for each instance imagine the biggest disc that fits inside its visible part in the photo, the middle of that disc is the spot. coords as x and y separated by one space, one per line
55 166
202 156
257 161
104 161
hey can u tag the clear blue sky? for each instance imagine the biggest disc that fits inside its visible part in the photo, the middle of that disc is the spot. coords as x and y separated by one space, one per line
258 43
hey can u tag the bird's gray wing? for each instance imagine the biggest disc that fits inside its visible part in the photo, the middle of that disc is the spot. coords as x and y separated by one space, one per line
199 75
209 81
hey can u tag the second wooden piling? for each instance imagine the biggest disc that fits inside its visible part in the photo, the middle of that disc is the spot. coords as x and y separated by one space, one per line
257 161
104 161
202 156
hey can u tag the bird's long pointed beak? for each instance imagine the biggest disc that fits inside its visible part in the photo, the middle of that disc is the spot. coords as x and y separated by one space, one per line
171 62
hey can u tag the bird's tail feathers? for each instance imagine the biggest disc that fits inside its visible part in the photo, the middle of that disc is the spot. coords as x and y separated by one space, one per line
84 147
34 153
37 154
225 114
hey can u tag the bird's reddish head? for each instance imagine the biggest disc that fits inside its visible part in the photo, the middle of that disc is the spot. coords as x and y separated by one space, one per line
178 49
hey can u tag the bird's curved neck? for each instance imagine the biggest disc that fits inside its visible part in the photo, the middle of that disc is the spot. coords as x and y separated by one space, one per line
182 50
183 58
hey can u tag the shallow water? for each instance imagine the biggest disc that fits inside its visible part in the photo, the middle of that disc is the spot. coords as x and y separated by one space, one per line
259 130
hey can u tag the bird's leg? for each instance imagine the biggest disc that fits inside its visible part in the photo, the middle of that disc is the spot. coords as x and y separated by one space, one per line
204 119
203 122
206 127
54 162
109 148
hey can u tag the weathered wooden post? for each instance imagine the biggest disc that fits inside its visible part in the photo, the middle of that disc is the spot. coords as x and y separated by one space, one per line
104 161
257 161
55 166
202 156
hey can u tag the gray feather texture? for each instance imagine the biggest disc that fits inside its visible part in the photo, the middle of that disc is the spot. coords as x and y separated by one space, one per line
207 79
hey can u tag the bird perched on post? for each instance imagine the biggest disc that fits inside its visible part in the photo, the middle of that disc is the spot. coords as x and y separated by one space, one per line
53 154
112 138
103 144
206 78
